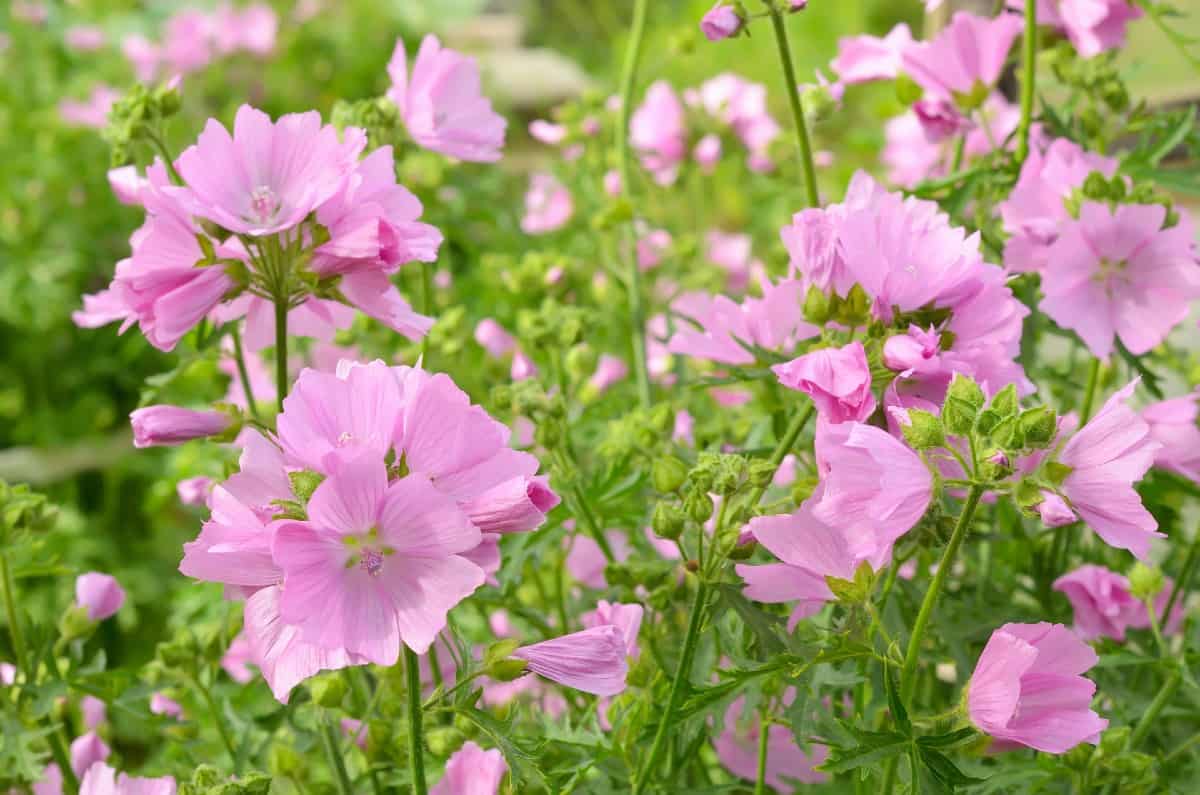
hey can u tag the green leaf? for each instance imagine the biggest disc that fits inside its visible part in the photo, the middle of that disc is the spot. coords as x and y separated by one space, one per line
885 746
945 772
948 740
895 703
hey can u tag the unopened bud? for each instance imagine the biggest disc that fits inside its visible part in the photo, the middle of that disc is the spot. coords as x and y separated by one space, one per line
444 740
923 430
507 670
668 474
667 521
1039 426
328 691
817 306
1145 581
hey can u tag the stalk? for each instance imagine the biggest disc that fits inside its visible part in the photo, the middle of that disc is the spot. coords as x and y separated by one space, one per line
243 373
1185 579
1089 394
10 611
760 782
58 749
803 145
1165 694
784 446
334 753
416 740
1028 80
281 348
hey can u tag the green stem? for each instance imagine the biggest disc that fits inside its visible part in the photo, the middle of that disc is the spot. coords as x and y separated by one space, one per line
1028 81
58 749
785 445
1185 579
426 303
760 781
10 611
333 752
637 321
166 156
961 528
1089 395
281 349
244 373
226 740
1165 693
1183 746
682 673
789 78
584 511
960 151
416 740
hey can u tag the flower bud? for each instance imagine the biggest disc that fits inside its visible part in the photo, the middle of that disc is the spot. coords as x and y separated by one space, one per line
1114 740
761 473
668 474
923 430
172 425
444 740
1145 581
100 594
721 22
500 651
581 361
328 691
699 506
667 521
75 624
507 670
1039 426
817 306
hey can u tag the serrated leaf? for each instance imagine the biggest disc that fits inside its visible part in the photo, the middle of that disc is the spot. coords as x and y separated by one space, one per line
948 740
895 703
841 760
944 771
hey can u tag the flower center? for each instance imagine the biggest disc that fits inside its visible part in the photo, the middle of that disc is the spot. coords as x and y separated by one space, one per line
371 561
263 204
1108 270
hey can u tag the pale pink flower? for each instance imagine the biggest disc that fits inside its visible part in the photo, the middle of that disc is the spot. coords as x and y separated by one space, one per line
967 56
651 247
658 131
785 474
85 38
317 318
1028 688
127 184
548 205
523 367
51 782
29 11
194 491
787 763
707 152
547 132
586 561
1173 425
237 659
94 711
513 506
267 176
188 41
100 594
92 112
940 119
442 103
837 379
162 704
86 750
720 22
494 338
612 183
742 105
253 28
864 59
1104 606
871 481
684 423
625 617
1107 456
472 771
717 328
374 294
100 779
143 55
592 660
609 370
1035 211
732 252
1120 274
156 426
1054 511
1093 26
8 674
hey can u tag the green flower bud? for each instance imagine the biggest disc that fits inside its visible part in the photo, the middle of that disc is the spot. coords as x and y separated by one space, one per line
1039 426
818 102
282 760
856 307
206 776
1114 740
1145 582
499 651
581 361
742 551
507 670
1096 187
761 473
817 306
699 507
327 691
304 483
668 474
75 624
444 740
924 430
667 521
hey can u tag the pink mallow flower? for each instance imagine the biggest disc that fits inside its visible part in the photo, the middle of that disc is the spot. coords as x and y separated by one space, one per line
966 57
651 247
94 711
627 618
472 771
716 328
707 152
156 426
1093 26
864 59
809 550
162 704
375 564
238 658
92 112
86 750
100 779
1028 688
1107 456
609 370
494 338
85 38
1120 274
1173 425
548 205
658 131
442 104
837 379
267 176
194 491
1104 607
592 660
721 21
127 184
100 594
737 748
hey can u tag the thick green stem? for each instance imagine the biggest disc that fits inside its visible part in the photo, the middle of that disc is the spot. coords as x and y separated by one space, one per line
961 528
1028 80
682 673
243 373
416 739
1089 395
637 319
1165 694
803 145
760 780
333 753
281 349
10 612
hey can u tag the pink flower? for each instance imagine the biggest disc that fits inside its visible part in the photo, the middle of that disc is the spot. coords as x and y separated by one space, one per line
548 205
627 618
513 506
1104 607
51 782
442 104
100 594
374 294
1054 510
870 481
837 379
127 185
612 183
267 176
809 550
721 22
523 368
609 370
657 130
375 564
707 152
864 59
85 38
8 674
1035 212
592 660
93 112
742 105
86 750
187 41
1173 425
161 704
682 430
547 132
1121 274
194 491
237 659
143 55
965 58
940 120
787 763
100 779
472 771
253 29
155 426
733 252
94 711
717 328
1028 688
1107 456
494 339
651 247
586 561
1093 26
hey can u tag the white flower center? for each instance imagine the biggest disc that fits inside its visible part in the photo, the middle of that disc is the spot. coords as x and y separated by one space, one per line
263 204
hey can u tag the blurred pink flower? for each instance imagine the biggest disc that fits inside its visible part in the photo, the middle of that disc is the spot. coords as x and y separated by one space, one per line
548 205
609 370
194 491
965 58
1093 26
1173 425
495 340
1104 607
85 38
863 59
100 594
161 704
716 328
720 22
93 112
100 779
86 750
737 748
658 132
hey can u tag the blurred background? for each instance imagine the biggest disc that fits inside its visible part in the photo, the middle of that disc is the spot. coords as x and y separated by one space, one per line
65 392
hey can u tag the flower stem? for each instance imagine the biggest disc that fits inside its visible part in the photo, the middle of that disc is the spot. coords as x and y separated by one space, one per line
961 528
58 749
281 349
1185 579
960 152
1089 394
784 447
1028 81
682 672
426 304
243 373
333 751
10 612
789 79
637 321
226 740
760 782
416 740
1165 693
